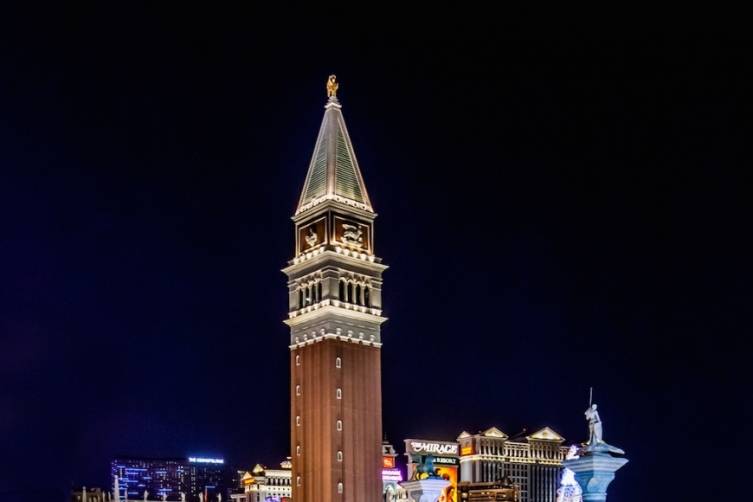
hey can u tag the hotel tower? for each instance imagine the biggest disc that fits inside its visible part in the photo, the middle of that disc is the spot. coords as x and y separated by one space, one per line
335 314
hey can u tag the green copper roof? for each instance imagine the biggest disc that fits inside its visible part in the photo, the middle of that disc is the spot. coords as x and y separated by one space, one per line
333 173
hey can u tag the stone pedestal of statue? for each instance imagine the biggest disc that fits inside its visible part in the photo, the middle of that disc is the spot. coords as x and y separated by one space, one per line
425 490
594 469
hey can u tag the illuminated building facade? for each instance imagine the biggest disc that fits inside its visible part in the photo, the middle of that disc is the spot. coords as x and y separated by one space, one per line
503 490
170 477
266 485
335 314
533 463
444 456
391 475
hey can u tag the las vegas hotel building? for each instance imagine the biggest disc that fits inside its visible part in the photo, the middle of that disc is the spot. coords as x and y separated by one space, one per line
532 462
263 484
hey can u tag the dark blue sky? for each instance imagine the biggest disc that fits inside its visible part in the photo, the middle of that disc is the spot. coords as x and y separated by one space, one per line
556 213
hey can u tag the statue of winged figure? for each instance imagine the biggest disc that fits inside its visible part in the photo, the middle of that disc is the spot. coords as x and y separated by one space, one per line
332 86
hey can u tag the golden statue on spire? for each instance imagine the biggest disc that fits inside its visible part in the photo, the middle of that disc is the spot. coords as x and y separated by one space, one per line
332 86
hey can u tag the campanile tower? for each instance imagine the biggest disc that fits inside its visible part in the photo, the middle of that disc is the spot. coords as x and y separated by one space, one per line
335 313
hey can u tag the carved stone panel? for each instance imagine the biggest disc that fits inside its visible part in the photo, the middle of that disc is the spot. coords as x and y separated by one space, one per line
352 234
312 235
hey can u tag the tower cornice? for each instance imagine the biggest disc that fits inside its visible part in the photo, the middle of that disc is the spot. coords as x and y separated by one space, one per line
341 309
327 202
348 203
337 254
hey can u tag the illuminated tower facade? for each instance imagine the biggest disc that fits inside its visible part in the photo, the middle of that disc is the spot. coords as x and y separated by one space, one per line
335 314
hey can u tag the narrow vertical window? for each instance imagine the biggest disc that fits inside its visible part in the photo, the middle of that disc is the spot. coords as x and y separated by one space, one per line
297 481
300 298
339 456
338 363
358 294
340 487
339 425
339 393
298 450
366 297
341 294
298 360
297 420
297 390
319 291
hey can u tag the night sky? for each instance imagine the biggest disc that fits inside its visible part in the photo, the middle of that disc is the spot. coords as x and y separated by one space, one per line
557 212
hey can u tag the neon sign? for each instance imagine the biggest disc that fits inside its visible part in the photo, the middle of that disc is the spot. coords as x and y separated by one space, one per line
392 475
446 460
204 460
432 447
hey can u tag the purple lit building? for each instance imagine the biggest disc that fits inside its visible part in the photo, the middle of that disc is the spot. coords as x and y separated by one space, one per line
171 477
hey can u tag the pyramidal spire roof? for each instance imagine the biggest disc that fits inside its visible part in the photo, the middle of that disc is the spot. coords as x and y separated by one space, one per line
333 172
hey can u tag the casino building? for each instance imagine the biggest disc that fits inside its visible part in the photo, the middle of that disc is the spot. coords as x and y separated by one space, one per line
444 456
335 314
493 466
532 462
263 484
391 475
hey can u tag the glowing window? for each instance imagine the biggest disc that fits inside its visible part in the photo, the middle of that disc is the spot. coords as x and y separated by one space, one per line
298 450
340 487
339 456
297 420
298 360
297 390
339 425
338 363
298 481
339 393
